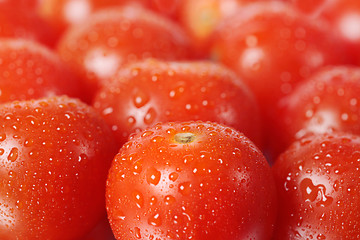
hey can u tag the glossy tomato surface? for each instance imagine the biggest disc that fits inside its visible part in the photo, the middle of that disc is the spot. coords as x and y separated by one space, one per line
54 158
63 13
190 180
145 93
273 47
111 38
318 184
327 101
20 21
29 70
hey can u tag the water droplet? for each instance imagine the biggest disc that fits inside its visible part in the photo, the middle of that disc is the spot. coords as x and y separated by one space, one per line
153 176
150 116
185 188
169 200
173 176
140 98
311 192
155 220
13 155
137 167
2 136
157 139
137 233
138 199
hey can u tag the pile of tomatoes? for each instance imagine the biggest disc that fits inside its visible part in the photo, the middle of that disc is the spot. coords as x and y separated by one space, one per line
179 119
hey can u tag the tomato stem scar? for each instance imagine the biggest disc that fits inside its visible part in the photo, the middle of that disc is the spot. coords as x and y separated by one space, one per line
184 138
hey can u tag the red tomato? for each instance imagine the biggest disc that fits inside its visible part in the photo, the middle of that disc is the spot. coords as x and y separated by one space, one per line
54 158
273 47
111 38
190 181
153 91
62 13
343 16
17 21
29 70
327 101
318 182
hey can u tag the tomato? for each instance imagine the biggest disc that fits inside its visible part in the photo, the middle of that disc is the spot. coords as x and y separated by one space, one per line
62 13
318 183
29 70
111 38
54 158
327 101
273 47
152 91
343 16
190 180
17 21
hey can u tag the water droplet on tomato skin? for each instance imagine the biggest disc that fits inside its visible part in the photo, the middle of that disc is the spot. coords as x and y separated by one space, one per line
153 176
312 193
185 188
173 176
140 99
150 116
155 220
138 198
13 155
137 233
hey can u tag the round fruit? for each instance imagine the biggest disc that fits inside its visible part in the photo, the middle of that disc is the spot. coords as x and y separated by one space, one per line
318 181
190 180
54 157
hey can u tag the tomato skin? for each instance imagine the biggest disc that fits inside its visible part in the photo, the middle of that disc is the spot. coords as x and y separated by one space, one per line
318 183
29 70
64 13
17 21
273 47
111 38
327 101
217 185
102 231
55 154
151 91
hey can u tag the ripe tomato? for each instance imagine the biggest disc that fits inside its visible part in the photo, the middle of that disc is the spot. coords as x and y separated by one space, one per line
54 158
62 13
273 47
343 16
190 181
153 91
17 21
327 101
111 38
318 185
29 70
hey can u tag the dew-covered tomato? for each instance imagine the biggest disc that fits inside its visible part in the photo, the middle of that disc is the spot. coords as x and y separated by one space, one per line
190 180
152 91
54 158
62 13
327 101
273 47
29 70
318 182
18 21
113 37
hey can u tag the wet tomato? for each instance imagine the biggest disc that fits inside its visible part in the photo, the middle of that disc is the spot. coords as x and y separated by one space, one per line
113 37
63 13
17 21
327 101
317 179
29 70
151 91
190 180
273 47
54 158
